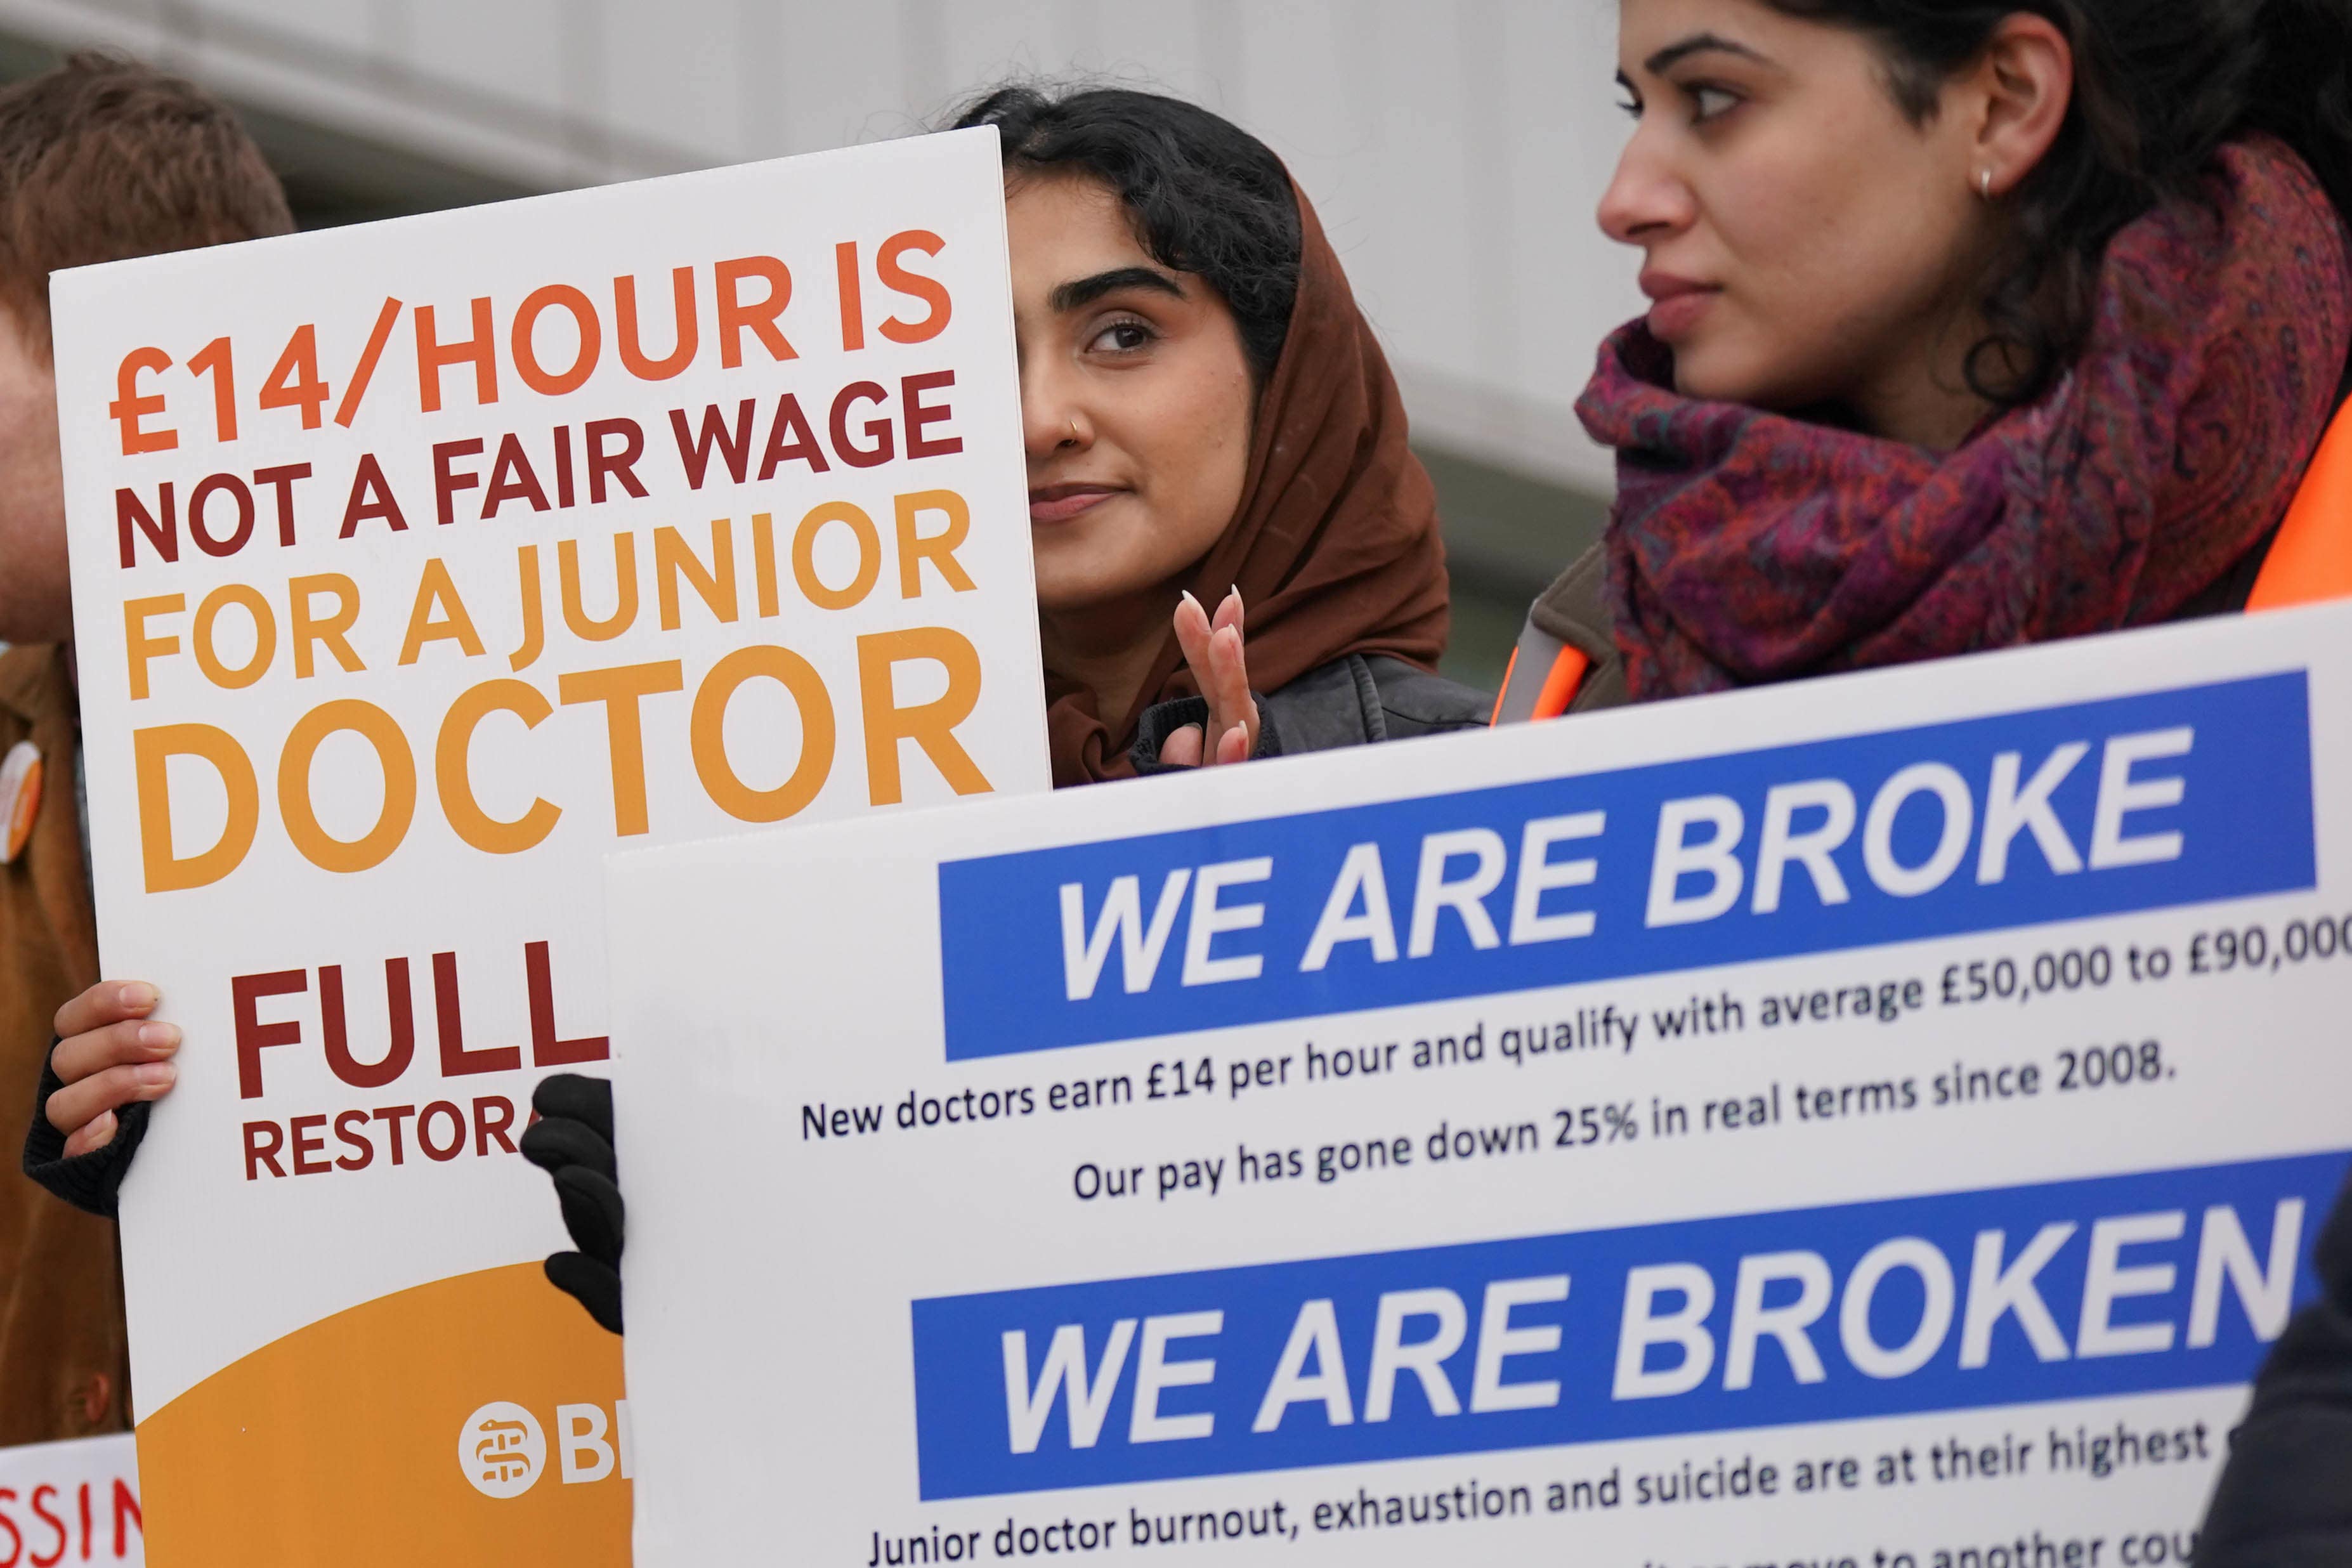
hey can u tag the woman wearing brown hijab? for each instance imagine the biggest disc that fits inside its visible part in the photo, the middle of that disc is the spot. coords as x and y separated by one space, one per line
1209 421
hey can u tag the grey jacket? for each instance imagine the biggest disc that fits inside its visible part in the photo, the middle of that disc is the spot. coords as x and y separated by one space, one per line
1351 701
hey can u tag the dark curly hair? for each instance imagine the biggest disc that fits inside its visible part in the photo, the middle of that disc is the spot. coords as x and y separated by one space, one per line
2160 85
1207 197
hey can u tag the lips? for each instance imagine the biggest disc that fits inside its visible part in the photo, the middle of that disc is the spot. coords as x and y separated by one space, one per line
1677 304
1061 503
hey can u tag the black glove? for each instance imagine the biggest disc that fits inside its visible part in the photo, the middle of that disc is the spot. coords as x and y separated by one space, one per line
573 1142
86 1181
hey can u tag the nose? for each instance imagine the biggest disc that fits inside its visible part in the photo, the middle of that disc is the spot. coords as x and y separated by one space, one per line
1051 417
1647 199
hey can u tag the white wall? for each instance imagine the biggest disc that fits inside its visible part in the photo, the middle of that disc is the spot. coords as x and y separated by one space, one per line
1455 151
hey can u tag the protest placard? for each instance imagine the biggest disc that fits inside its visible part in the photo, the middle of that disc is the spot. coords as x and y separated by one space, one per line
1877 1121
76 1502
416 567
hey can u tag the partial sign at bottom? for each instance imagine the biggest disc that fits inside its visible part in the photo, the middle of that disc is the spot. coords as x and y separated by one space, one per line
71 1502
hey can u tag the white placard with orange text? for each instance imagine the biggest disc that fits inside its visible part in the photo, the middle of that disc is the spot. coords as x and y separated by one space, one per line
417 566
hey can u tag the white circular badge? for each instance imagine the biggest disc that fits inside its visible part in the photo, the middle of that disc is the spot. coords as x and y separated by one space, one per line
501 1449
20 798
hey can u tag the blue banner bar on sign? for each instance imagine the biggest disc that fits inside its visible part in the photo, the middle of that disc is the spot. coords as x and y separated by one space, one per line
2118 1285
2139 802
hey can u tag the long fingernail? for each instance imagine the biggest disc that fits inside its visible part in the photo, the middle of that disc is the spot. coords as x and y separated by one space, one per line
157 1075
1190 600
136 995
160 1037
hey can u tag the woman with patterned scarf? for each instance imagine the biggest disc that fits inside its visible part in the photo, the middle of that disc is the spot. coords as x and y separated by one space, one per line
1973 325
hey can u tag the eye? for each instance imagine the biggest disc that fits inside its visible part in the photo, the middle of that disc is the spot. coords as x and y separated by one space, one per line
1127 335
1630 104
1708 102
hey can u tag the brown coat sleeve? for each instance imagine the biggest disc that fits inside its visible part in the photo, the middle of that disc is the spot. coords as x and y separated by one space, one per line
64 1359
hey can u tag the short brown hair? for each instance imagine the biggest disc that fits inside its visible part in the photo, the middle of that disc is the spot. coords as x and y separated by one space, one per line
103 158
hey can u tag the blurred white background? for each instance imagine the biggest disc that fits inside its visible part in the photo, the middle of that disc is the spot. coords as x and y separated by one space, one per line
1456 151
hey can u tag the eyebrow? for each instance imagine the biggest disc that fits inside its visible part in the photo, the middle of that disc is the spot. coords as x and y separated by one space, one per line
1674 54
1080 292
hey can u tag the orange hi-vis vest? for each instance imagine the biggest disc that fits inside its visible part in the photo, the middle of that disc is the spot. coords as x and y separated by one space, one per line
1548 698
2310 561
2311 558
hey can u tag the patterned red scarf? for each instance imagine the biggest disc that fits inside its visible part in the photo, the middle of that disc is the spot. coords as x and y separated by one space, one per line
1747 546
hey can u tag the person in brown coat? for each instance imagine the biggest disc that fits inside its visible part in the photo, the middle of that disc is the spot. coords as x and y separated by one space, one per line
99 160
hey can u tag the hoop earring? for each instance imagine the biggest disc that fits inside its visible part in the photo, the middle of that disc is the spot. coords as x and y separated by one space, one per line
1984 184
1074 432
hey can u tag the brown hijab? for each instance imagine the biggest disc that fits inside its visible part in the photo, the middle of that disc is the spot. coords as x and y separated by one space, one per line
1335 546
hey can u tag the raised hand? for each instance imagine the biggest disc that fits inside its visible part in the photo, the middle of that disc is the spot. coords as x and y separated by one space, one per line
1212 650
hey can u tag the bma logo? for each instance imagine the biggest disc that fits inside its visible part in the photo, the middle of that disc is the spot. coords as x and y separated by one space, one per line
502 1449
